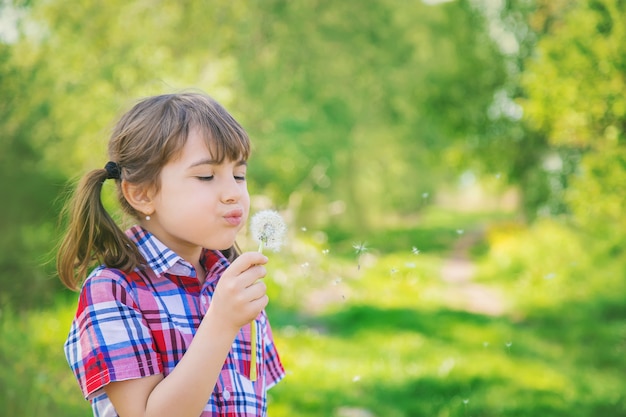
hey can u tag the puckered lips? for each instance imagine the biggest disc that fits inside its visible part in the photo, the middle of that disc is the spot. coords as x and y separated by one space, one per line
234 217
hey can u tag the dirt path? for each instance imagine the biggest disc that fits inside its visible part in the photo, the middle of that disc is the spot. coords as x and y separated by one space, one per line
458 272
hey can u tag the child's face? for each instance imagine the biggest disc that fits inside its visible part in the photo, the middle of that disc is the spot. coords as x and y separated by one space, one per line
200 203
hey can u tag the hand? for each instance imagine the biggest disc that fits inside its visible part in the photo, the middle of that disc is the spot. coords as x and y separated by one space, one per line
240 295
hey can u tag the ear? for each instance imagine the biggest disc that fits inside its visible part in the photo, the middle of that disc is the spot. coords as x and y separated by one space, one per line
140 197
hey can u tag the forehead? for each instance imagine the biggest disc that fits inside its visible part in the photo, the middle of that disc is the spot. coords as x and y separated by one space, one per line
201 149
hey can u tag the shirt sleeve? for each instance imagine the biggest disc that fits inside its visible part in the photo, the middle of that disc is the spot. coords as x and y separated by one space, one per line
274 370
109 339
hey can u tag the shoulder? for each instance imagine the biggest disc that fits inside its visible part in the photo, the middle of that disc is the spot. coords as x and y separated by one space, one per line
112 285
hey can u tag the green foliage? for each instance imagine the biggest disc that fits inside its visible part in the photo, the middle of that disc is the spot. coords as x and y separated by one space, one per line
574 85
35 379
598 195
372 97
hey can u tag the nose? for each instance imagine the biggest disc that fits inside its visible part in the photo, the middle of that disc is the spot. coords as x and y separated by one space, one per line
231 191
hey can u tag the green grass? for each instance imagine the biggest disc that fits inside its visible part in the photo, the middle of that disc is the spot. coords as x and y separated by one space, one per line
379 335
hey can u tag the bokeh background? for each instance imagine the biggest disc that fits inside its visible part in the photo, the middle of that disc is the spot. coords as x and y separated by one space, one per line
453 174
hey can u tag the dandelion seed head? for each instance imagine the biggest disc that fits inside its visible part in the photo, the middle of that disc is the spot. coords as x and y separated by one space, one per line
268 228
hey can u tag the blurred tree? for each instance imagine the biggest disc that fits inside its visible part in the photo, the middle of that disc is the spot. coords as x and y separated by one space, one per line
355 107
575 84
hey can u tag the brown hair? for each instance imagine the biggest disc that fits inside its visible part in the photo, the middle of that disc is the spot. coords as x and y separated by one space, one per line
148 136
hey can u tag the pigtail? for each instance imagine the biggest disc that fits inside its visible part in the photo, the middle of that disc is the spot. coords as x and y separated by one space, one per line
92 235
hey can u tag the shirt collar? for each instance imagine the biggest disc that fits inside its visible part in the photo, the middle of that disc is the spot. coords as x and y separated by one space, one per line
162 259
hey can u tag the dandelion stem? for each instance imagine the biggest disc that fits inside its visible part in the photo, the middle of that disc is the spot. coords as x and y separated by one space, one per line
253 375
253 351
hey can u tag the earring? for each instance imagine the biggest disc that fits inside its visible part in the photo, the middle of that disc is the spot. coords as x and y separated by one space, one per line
148 217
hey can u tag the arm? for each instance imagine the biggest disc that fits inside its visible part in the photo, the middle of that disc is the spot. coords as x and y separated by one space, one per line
238 299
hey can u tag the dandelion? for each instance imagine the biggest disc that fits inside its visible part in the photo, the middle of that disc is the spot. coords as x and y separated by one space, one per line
268 228
415 251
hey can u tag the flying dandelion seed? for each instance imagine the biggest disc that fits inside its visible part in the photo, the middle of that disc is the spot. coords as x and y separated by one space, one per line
325 251
356 378
508 346
303 228
424 195
393 271
415 251
359 248
459 231
485 344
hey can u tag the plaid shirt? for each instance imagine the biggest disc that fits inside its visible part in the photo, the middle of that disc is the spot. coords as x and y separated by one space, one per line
132 325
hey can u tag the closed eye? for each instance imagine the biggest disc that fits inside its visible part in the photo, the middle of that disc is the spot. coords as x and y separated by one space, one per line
209 178
240 177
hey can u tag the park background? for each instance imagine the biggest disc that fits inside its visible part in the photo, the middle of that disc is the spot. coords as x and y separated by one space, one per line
453 174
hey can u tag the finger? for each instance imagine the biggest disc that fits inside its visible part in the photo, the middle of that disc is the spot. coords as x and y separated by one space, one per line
245 261
256 290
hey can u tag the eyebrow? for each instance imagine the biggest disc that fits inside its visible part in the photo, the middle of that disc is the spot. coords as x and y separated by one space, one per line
209 161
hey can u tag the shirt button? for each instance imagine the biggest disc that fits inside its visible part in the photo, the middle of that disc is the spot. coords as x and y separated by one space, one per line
226 395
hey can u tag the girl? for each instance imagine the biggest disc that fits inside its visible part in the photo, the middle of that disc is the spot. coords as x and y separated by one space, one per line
163 324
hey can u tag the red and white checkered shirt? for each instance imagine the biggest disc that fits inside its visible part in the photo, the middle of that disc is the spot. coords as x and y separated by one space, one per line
132 325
